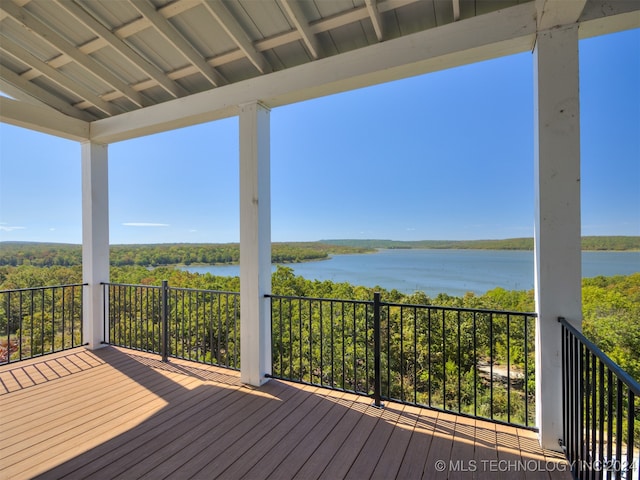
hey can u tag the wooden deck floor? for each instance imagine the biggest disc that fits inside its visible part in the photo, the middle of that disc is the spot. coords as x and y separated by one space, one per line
116 413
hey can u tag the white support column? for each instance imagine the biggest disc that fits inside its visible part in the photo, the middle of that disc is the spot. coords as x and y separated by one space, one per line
255 244
557 211
95 238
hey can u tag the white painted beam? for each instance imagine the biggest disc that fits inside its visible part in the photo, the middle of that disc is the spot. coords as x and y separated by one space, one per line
65 82
488 36
29 21
123 49
620 16
95 239
558 279
237 34
295 14
456 10
172 36
556 13
42 119
42 95
376 20
255 244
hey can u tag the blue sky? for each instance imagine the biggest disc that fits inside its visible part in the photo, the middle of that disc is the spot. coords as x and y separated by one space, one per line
447 155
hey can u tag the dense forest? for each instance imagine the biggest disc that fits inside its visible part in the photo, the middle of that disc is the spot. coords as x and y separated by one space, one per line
67 255
460 347
611 305
154 255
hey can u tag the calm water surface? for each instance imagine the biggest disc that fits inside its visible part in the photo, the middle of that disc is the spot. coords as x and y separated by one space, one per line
442 271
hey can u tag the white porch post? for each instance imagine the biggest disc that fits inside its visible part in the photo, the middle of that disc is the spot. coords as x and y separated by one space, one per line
557 215
95 238
255 244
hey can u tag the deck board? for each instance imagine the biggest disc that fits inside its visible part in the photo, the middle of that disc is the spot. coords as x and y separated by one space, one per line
116 413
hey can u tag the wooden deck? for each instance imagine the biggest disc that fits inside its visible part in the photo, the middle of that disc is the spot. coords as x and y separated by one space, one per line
116 413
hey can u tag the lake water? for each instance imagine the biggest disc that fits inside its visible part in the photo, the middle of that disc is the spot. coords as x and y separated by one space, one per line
442 271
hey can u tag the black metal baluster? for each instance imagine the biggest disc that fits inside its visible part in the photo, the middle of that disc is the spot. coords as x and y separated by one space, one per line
165 320
377 389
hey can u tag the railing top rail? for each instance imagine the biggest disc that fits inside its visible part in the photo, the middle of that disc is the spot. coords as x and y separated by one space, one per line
223 292
11 290
461 309
318 299
186 289
129 285
405 305
629 381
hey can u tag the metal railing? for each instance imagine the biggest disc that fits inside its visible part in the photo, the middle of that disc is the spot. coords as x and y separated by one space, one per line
38 321
198 325
601 411
478 363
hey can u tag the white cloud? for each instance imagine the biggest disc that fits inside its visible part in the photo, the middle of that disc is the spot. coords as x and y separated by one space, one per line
9 228
144 224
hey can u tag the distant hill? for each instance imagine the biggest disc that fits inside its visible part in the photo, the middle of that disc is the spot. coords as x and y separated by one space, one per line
610 243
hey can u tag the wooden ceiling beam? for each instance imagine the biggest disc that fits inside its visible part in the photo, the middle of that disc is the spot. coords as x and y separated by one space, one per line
376 20
29 21
162 25
122 48
295 14
231 26
65 82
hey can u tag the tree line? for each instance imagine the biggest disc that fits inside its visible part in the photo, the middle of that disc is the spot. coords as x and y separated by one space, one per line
67 255
613 243
154 255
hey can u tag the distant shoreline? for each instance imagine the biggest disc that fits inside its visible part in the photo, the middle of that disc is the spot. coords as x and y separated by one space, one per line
166 254
589 243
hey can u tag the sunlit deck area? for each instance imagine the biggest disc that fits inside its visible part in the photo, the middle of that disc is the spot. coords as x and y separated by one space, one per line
117 413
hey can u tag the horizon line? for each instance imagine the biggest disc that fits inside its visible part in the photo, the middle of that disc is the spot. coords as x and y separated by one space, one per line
317 241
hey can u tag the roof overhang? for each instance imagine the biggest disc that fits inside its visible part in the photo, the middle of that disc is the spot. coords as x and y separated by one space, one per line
39 106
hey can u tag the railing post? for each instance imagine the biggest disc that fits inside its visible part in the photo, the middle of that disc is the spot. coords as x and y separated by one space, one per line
165 320
377 384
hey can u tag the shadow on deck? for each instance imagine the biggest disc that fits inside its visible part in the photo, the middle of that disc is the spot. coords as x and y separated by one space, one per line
116 413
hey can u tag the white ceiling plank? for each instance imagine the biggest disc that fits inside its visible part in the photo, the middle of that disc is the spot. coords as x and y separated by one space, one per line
237 34
43 119
295 14
32 23
53 74
356 15
168 11
556 13
42 95
121 47
160 23
500 33
175 8
376 20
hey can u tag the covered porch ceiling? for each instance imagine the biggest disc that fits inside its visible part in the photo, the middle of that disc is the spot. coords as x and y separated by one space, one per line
107 71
